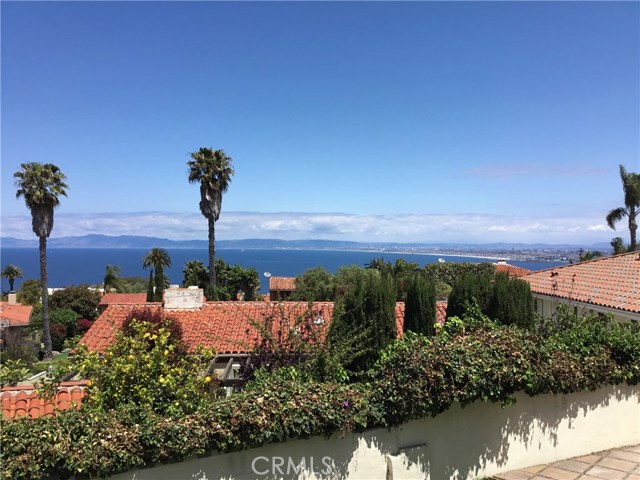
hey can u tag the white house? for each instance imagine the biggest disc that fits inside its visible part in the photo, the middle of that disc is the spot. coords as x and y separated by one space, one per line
604 285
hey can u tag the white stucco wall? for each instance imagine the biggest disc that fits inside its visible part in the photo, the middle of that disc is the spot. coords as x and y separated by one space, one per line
480 440
548 306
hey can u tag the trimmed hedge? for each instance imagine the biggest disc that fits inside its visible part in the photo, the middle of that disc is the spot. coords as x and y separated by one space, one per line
415 377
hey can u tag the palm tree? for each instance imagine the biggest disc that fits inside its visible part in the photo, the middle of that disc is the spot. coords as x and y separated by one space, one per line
618 245
194 273
631 209
41 186
11 272
157 258
112 278
586 255
213 170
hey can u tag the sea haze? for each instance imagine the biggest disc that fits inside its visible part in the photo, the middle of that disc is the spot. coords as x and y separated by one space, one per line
73 266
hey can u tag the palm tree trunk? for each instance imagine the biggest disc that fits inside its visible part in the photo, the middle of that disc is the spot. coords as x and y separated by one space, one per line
46 332
212 256
633 227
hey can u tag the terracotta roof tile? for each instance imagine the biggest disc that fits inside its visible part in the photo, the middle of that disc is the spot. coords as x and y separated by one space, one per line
612 282
279 284
511 270
17 315
24 401
226 326
123 298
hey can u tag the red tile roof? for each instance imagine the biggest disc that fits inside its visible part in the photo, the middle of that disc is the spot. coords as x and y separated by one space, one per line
17 315
279 284
612 282
226 326
511 270
123 299
24 400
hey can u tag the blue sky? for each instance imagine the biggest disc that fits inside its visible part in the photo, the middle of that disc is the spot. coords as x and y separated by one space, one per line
415 121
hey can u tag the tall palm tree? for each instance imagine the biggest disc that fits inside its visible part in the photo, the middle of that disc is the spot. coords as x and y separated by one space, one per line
11 272
213 170
41 185
631 209
157 258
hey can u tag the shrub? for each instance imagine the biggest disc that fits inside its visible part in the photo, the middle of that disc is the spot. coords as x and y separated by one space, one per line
149 369
66 317
83 325
58 334
298 342
12 371
469 359
80 299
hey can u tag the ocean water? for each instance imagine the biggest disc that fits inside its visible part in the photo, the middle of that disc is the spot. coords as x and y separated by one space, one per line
74 266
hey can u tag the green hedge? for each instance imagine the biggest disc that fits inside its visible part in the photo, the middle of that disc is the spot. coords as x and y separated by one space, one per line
415 377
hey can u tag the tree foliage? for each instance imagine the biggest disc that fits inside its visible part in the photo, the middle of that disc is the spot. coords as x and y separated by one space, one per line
450 272
148 369
420 307
11 273
195 274
81 299
41 186
315 285
29 293
511 302
367 306
468 289
67 317
111 279
159 259
631 209
212 169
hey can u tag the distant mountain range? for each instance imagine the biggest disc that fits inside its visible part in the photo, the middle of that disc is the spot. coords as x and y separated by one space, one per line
131 241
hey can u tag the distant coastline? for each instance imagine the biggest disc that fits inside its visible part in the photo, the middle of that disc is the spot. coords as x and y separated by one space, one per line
491 251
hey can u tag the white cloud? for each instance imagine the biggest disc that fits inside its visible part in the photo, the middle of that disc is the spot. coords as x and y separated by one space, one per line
468 228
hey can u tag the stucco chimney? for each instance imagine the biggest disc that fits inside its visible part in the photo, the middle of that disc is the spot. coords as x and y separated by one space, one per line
13 298
183 298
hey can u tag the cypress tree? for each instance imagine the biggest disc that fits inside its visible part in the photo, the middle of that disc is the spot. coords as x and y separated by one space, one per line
511 302
420 308
380 311
470 288
367 308
159 282
150 287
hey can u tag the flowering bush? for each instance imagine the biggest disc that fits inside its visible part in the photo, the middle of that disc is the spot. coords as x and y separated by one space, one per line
147 368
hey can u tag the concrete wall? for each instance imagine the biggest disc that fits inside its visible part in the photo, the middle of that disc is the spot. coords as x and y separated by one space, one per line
480 440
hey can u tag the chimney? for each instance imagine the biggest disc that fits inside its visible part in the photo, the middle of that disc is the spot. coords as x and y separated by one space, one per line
13 298
183 298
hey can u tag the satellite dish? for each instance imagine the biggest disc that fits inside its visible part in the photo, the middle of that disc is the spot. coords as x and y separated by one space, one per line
267 274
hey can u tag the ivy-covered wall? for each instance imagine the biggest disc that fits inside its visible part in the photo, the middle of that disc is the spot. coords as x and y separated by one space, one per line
478 441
